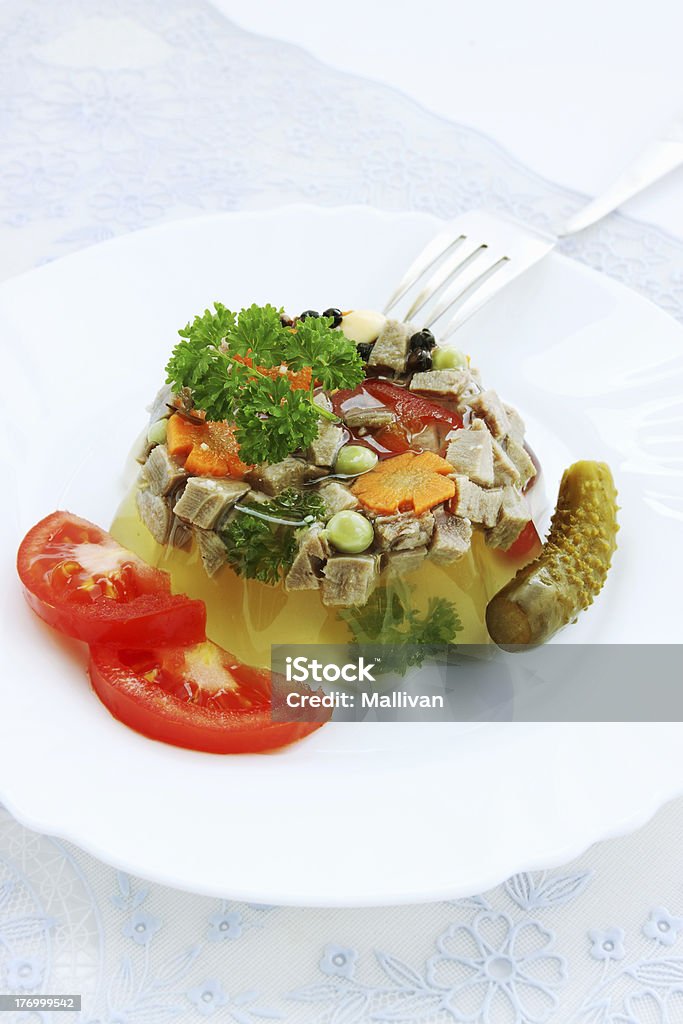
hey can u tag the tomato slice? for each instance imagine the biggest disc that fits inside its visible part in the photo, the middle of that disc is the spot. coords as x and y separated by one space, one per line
413 411
81 581
197 697
393 438
409 406
528 543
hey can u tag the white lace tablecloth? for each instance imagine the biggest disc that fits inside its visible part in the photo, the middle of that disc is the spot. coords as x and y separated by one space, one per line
117 115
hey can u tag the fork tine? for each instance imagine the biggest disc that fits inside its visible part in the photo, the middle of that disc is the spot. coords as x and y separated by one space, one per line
466 265
464 255
439 246
466 284
478 293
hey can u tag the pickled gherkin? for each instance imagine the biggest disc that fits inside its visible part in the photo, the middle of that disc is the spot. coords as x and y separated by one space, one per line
571 569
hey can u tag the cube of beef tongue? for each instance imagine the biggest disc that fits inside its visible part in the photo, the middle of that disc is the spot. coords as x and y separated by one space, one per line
323 401
516 428
521 459
314 550
391 347
275 477
157 515
205 499
155 512
181 534
451 539
349 580
159 408
369 416
403 531
336 497
401 563
489 407
323 450
470 452
473 502
161 472
504 470
457 383
513 517
315 472
427 440
212 550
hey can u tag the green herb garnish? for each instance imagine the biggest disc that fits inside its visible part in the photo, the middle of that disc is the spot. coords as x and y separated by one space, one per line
391 620
265 551
272 418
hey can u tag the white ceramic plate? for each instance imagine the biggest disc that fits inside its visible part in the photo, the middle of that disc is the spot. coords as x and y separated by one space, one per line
357 814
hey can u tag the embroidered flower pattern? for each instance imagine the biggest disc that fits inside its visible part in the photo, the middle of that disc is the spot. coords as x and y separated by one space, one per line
338 960
663 926
141 927
208 996
608 944
225 925
495 970
24 974
650 1007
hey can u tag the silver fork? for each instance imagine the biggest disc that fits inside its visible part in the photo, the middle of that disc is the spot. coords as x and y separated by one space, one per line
479 253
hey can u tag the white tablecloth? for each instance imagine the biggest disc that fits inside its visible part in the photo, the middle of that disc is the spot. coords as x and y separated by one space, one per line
117 114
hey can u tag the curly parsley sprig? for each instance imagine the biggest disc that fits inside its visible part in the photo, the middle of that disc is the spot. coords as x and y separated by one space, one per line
391 620
263 550
272 418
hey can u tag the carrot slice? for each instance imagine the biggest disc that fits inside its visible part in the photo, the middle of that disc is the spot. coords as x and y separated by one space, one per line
209 449
405 482
182 435
300 380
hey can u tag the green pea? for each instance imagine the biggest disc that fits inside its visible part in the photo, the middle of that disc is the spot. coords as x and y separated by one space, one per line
353 459
448 359
156 434
350 532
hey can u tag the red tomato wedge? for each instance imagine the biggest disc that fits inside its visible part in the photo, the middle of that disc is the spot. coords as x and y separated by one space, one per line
527 544
413 410
393 439
409 406
196 697
81 581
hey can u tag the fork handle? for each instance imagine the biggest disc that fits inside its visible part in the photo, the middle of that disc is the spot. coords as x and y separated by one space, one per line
660 157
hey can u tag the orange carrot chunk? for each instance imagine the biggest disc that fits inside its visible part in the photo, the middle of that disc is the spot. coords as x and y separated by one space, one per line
300 380
209 449
408 482
182 435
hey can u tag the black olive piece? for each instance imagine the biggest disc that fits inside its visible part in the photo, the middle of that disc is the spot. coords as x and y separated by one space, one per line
336 315
308 312
364 349
423 339
419 361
